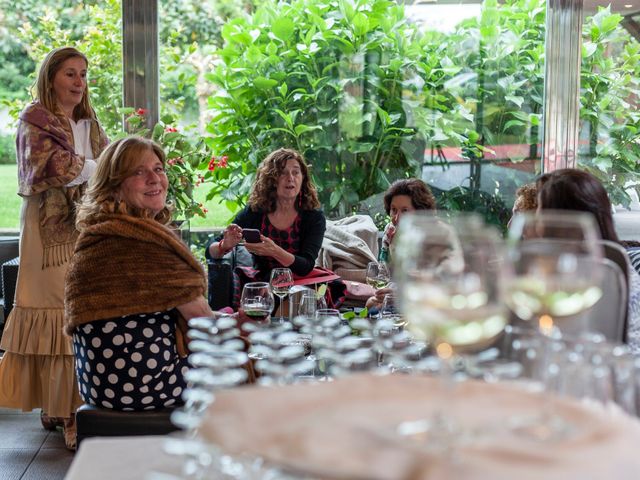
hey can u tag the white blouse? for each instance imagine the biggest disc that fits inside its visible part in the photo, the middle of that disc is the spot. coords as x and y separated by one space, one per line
82 145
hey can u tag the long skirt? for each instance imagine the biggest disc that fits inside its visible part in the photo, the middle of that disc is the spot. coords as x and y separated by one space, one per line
37 369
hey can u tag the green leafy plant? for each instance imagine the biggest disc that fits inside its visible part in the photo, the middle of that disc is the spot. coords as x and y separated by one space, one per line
327 77
610 82
186 157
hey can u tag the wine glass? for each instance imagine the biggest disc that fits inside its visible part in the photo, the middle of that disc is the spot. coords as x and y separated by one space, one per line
377 275
556 275
389 311
450 280
257 302
281 283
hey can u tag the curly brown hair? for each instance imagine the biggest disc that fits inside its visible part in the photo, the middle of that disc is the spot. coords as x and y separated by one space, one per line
116 163
526 198
264 192
417 190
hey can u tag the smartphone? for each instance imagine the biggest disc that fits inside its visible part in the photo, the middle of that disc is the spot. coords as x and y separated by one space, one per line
251 235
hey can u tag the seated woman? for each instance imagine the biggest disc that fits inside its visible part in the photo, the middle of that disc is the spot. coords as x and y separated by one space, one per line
402 196
130 282
526 199
284 207
572 189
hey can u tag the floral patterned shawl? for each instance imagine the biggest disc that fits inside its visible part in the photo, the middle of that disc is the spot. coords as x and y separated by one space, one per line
46 163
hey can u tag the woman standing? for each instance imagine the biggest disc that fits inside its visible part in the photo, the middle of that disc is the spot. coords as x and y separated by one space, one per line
284 206
57 141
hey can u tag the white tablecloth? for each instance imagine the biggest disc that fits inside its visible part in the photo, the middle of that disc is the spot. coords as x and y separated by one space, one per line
346 429
122 458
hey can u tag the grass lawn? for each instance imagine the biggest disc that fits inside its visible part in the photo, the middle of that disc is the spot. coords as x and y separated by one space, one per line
10 203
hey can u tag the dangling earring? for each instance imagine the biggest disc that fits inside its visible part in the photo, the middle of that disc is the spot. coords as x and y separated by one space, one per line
300 201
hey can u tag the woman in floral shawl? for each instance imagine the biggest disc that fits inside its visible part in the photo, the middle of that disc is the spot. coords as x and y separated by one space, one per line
58 140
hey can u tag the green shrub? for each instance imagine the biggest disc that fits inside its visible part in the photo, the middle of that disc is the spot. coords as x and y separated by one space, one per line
7 149
327 77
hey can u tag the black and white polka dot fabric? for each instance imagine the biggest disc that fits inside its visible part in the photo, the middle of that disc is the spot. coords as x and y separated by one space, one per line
130 363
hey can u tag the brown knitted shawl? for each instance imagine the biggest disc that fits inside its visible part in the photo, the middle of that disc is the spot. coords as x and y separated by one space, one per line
123 265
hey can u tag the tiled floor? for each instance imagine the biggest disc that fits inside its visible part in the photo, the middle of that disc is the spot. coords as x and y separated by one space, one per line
27 451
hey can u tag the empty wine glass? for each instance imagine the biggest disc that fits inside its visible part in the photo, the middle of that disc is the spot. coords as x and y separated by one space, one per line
257 302
378 275
556 274
281 283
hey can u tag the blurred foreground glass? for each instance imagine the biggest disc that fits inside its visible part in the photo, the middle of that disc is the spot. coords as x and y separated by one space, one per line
449 274
556 274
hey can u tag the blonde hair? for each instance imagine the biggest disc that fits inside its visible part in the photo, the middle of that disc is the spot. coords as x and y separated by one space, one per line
117 163
45 94
526 198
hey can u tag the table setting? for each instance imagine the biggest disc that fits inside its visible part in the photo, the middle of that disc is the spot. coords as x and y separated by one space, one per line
465 371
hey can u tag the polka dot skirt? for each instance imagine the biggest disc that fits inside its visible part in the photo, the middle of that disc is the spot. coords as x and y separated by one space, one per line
130 363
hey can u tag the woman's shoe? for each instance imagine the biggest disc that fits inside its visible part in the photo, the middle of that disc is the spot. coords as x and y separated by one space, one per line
50 423
69 431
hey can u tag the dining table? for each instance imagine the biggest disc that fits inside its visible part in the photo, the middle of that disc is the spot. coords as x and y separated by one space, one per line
353 428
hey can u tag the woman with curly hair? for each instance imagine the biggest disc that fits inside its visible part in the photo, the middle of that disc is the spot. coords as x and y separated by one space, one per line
284 207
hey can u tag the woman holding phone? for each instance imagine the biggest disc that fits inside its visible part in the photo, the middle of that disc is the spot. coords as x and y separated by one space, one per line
282 224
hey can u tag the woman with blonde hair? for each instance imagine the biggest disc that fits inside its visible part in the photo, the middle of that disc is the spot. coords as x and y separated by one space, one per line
131 285
57 142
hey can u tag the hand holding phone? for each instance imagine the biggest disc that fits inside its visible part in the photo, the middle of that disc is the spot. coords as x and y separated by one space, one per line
251 235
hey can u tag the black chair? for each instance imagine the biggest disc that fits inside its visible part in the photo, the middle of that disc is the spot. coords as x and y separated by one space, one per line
92 421
9 280
220 273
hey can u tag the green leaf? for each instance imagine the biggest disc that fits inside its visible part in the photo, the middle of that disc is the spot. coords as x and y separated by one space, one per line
167 119
336 195
300 129
264 83
360 24
283 28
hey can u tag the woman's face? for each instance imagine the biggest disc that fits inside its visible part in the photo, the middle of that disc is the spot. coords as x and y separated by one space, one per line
147 187
70 83
290 180
400 204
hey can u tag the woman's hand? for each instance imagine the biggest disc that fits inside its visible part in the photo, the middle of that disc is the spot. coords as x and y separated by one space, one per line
232 236
265 248
268 248
391 232
381 292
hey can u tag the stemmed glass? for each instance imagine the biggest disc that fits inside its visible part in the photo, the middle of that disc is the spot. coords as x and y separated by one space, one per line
389 311
378 275
557 273
257 302
449 275
281 283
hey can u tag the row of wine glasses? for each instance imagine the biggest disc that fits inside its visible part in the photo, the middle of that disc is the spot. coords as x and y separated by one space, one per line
456 286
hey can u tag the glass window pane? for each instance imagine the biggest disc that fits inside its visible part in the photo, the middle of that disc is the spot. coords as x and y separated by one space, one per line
609 144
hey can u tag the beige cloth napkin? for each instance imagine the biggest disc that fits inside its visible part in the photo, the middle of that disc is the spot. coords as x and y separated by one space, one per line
346 429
